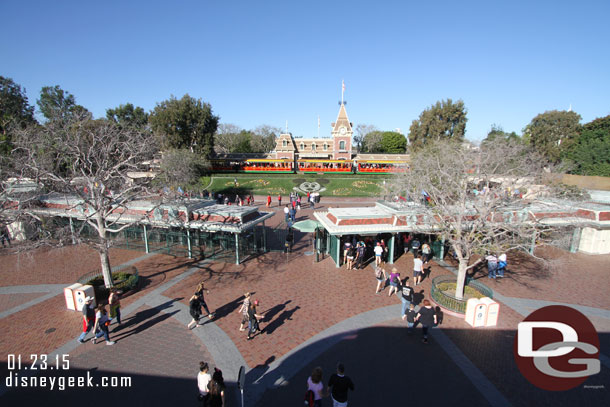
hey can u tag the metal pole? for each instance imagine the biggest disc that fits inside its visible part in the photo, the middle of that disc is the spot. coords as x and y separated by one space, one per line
338 239
236 248
391 250
188 242
146 239
575 243
264 238
442 253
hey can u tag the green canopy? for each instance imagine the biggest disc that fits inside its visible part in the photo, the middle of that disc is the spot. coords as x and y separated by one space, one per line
307 226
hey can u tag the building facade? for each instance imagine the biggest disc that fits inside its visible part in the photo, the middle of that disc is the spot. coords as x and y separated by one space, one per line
337 147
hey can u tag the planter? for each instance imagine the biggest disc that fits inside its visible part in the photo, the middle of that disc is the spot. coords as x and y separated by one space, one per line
124 280
443 293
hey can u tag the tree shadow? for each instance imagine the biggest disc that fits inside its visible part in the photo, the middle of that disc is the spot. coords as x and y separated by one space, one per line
150 316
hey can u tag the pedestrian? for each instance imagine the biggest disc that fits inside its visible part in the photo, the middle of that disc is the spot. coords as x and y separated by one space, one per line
294 204
268 201
194 310
286 213
216 390
279 200
315 384
360 250
406 242
248 200
418 269
394 280
243 310
501 264
312 201
381 277
427 317
378 253
199 294
5 235
88 318
406 296
351 253
293 213
426 252
410 316
384 255
415 245
298 202
203 379
251 199
492 266
226 199
114 302
101 325
253 319
339 384
346 246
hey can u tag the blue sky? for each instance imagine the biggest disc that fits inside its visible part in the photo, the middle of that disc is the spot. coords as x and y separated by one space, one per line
270 61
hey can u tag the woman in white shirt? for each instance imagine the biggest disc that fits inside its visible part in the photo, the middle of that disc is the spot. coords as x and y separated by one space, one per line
203 378
314 383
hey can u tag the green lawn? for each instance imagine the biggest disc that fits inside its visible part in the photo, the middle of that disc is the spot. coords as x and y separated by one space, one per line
263 184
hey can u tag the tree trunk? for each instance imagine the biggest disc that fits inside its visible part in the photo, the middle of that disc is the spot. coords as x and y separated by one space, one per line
106 270
461 278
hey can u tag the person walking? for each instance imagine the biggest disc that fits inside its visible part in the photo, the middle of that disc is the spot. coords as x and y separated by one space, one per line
243 310
298 202
216 390
418 269
501 265
253 319
351 253
427 317
394 281
5 235
286 214
378 253
339 385
194 310
315 384
293 213
360 255
492 266
426 252
114 302
268 201
415 245
410 316
406 296
88 318
199 294
101 325
279 200
381 277
346 246
203 379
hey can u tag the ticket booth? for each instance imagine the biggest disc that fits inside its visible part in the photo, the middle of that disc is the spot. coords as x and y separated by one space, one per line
70 296
83 292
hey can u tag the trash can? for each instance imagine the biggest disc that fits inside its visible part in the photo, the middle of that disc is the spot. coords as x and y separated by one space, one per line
70 295
81 293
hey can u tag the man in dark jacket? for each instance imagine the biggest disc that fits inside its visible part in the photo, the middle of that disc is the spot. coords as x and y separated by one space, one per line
339 385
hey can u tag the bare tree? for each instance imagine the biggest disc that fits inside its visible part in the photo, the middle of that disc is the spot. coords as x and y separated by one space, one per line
86 163
475 199
225 138
361 131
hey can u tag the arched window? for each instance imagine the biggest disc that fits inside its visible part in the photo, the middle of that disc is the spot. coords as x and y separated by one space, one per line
284 143
313 146
325 146
342 145
302 146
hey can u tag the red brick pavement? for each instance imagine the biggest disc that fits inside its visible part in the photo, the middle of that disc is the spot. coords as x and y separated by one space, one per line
56 266
574 278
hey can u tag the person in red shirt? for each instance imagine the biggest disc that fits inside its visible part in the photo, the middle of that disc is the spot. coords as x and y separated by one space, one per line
279 200
268 201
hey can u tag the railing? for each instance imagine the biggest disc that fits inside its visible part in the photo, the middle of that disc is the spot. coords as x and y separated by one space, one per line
451 302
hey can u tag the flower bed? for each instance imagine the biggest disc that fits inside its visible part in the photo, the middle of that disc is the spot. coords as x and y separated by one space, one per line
443 293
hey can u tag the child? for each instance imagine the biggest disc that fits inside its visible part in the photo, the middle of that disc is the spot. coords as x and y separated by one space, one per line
410 317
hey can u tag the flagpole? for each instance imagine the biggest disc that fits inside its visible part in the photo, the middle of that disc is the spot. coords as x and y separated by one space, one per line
342 89
318 126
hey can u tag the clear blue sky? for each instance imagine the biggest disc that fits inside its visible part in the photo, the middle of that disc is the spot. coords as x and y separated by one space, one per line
265 62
